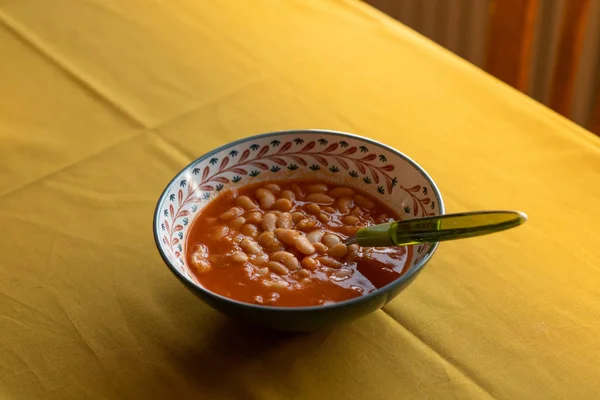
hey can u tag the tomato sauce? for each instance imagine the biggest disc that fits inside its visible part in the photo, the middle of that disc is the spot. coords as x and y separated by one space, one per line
295 256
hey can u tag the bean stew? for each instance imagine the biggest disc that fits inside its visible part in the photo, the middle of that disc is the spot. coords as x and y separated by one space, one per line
282 244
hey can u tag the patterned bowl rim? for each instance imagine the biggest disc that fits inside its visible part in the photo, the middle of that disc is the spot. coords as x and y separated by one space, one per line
406 277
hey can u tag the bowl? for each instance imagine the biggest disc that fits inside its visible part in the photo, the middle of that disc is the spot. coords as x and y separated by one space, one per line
338 157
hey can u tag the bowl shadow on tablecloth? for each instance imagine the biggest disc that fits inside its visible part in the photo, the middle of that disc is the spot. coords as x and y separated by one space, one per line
228 354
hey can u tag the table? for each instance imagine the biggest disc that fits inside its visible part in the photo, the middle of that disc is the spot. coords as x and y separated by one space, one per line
103 101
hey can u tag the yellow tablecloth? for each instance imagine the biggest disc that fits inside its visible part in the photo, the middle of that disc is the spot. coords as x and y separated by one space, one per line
103 101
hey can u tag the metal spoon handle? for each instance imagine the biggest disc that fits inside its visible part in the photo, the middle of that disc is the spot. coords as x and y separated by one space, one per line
437 228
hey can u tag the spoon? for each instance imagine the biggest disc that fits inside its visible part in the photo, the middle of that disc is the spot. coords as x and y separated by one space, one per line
436 229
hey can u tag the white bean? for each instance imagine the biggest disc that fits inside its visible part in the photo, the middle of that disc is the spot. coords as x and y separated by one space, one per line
363 202
238 238
283 205
320 247
249 230
344 204
279 285
266 198
200 263
262 271
269 222
273 188
246 203
250 246
317 188
277 267
357 212
259 259
220 231
303 273
287 259
329 262
297 190
353 250
254 217
201 250
239 257
319 198
232 213
338 251
288 194
315 236
287 236
236 223
298 216
285 221
350 220
324 217
341 192
304 246
309 263
330 240
350 230
313 208
269 241
306 224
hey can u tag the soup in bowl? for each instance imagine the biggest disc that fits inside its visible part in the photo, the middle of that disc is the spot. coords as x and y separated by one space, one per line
257 228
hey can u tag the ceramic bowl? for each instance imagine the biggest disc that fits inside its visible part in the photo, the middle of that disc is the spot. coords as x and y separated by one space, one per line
338 157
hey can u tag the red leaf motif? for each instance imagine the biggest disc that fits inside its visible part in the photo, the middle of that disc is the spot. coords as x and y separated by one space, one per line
192 187
300 160
414 207
172 210
177 228
351 150
388 167
309 146
374 174
167 226
240 171
331 148
174 241
220 179
263 151
224 163
245 155
164 237
370 157
360 167
415 188
321 160
184 213
177 254
260 165
205 173
426 200
180 196
207 188
390 187
342 162
279 161
285 147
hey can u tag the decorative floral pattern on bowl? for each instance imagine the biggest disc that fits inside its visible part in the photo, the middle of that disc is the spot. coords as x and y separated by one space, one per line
332 156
